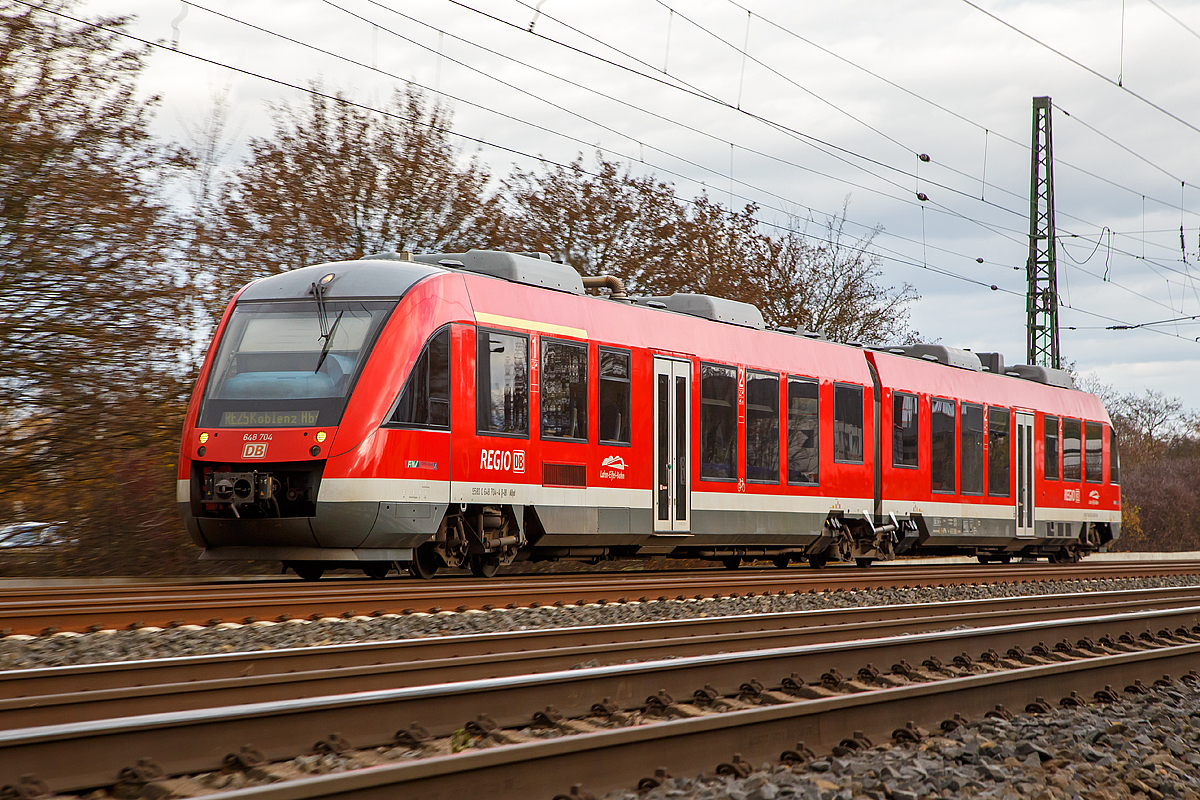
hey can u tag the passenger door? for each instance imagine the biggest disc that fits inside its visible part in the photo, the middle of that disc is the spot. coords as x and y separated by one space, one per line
1025 495
672 426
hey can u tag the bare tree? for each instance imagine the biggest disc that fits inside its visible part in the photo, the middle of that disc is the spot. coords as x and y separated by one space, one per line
716 251
830 283
1160 467
335 181
90 373
603 220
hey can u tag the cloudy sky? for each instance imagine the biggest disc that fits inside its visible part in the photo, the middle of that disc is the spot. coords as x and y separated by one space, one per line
800 107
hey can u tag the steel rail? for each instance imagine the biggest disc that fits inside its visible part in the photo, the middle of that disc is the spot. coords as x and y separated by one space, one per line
58 695
611 760
32 610
88 754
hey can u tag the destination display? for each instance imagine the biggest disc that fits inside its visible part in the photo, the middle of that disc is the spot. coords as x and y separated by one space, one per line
269 419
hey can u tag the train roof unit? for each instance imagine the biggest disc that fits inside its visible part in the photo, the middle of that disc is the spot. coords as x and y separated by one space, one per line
531 269
538 270
1051 377
985 362
940 354
717 309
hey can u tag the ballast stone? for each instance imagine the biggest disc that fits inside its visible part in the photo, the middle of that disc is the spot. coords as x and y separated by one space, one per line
27 652
1140 760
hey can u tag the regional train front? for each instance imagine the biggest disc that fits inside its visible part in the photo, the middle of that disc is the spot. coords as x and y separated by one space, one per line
277 399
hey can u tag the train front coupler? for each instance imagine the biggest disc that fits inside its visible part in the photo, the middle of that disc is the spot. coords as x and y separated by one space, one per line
237 489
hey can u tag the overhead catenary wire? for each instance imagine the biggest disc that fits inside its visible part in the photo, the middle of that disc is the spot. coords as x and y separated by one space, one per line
889 138
1084 67
908 147
1186 274
1113 141
573 139
896 258
778 125
705 95
1171 321
933 103
746 56
830 149
893 255
478 140
1176 19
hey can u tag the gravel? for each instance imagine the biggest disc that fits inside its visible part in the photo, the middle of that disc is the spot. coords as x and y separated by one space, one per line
1144 746
61 649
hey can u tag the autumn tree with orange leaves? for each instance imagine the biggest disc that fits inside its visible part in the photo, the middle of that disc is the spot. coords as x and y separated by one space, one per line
91 390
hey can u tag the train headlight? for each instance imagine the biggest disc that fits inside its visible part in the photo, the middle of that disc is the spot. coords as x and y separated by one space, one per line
320 436
316 451
203 438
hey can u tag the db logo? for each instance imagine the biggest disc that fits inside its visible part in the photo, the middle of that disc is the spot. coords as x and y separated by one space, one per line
254 450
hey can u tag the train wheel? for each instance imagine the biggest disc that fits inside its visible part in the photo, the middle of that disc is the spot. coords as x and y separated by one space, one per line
377 569
781 561
424 564
864 562
984 559
308 571
732 562
818 560
483 565
1064 556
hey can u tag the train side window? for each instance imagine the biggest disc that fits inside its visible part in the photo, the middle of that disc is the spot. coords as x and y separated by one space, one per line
999 452
718 422
906 431
847 423
803 429
1093 437
1071 450
941 445
564 390
1051 448
425 400
614 396
762 427
971 447
502 393
1114 459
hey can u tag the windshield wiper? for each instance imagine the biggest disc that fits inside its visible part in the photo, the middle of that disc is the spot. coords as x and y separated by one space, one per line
328 337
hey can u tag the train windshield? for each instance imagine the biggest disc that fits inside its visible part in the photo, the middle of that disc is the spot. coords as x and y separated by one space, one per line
285 364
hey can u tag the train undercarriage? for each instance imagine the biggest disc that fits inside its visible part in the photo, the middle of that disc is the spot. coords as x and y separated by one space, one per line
483 539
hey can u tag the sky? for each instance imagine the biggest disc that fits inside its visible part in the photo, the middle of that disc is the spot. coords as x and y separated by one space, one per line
802 108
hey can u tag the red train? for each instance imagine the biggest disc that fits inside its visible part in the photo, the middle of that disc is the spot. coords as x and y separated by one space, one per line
477 408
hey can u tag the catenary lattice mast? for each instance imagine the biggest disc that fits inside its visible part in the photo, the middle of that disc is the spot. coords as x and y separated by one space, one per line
1041 270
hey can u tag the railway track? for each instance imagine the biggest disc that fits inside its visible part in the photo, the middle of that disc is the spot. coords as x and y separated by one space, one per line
696 707
33 611
59 695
